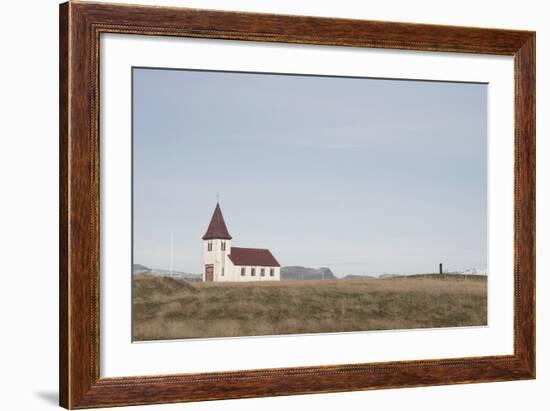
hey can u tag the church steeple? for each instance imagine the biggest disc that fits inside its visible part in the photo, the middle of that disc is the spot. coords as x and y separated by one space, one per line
217 228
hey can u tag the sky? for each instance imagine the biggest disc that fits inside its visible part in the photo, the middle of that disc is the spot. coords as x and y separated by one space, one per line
364 176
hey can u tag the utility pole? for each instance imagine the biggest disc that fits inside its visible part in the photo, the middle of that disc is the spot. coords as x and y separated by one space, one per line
171 254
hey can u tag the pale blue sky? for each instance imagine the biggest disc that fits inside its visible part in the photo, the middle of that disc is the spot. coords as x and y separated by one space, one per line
364 176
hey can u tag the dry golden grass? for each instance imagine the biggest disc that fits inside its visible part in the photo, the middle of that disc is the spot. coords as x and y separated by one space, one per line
166 308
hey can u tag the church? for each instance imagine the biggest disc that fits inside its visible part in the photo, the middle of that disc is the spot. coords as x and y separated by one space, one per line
222 262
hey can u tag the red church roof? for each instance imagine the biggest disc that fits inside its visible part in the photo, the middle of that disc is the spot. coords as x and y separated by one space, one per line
252 256
217 228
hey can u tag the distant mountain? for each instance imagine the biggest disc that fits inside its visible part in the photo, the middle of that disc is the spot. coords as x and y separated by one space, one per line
138 268
141 269
305 273
357 277
177 274
389 275
474 271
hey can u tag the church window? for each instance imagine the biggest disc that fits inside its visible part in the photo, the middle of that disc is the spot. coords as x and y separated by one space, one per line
243 271
262 272
272 272
253 272
223 245
210 246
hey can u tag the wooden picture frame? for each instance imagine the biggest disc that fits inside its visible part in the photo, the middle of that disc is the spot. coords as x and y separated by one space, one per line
80 27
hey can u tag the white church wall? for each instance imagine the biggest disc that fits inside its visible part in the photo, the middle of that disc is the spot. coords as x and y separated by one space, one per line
225 270
229 269
277 274
216 257
237 272
258 277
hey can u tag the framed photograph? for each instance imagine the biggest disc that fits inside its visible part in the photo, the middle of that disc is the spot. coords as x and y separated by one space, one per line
258 205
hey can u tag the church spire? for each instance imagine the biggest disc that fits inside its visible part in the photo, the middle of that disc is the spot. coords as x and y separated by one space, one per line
217 228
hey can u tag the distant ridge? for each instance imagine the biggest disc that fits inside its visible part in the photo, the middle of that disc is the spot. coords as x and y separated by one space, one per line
138 268
297 272
390 275
159 272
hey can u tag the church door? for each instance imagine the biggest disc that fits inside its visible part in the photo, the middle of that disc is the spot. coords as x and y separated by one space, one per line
209 272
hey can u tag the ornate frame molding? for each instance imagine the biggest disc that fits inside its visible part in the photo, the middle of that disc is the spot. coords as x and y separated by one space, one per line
81 24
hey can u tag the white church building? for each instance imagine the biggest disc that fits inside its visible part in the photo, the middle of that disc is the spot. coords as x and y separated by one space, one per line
222 262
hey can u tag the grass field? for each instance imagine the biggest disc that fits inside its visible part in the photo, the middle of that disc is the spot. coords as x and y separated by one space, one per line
166 308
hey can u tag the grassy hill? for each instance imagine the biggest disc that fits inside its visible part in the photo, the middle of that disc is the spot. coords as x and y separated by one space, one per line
168 308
